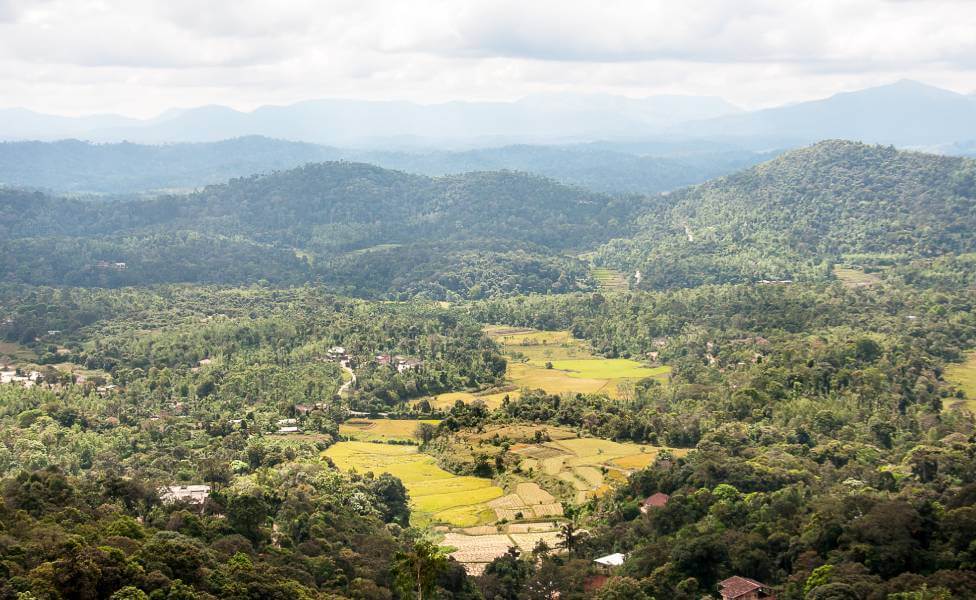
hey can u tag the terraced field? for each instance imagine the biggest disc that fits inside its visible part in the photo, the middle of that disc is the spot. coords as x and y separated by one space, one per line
963 376
436 496
382 430
610 280
589 466
557 363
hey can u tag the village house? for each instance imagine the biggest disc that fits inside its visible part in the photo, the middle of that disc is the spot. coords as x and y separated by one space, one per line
743 588
288 430
194 494
657 500
337 353
408 364
606 565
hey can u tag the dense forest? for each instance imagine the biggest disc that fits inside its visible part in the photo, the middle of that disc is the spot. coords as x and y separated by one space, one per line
331 222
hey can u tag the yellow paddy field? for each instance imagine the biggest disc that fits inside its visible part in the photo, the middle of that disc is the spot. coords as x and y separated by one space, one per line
557 362
382 430
963 376
436 496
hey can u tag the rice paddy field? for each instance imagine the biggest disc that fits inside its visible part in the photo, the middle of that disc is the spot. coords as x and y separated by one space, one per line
382 430
492 399
963 376
587 466
436 496
558 363
610 280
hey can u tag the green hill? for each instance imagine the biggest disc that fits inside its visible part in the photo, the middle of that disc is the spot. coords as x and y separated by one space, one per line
363 229
792 217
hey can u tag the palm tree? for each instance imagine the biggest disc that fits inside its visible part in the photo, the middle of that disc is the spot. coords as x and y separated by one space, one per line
417 569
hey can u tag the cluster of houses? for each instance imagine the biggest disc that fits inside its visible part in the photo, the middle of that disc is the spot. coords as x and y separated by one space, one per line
115 266
30 379
400 363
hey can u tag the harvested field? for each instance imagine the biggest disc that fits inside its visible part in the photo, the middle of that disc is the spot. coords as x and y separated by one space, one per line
476 551
369 430
531 493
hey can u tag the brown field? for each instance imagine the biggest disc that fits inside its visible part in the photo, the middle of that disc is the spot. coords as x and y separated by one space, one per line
370 430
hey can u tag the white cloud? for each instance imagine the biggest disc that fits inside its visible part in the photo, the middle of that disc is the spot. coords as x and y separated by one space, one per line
142 56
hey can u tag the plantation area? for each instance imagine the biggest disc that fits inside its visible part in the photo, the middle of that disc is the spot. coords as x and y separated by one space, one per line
382 430
963 376
556 362
437 496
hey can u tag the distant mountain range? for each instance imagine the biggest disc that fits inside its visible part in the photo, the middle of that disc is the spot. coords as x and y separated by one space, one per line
82 167
557 117
906 113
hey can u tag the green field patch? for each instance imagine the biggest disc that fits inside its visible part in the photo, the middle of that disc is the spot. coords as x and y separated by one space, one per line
610 280
855 277
963 376
558 363
608 368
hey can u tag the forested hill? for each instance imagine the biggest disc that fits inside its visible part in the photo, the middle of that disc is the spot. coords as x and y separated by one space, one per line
792 217
363 229
72 166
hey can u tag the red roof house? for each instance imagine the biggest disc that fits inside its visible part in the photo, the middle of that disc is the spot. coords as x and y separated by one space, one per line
743 588
657 500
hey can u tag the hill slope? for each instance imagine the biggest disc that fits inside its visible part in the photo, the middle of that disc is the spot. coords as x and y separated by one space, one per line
791 217
364 229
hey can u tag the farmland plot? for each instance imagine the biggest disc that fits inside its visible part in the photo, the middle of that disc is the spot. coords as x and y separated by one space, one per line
436 496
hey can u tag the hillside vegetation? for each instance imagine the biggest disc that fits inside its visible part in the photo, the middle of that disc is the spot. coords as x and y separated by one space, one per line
362 229
792 217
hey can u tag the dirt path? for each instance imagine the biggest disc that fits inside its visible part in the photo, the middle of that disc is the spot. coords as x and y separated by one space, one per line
352 379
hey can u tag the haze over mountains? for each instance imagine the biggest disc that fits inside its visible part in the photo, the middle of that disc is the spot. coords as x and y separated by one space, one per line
905 113
82 167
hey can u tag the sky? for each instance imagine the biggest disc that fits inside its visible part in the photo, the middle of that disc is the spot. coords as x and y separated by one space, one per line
141 57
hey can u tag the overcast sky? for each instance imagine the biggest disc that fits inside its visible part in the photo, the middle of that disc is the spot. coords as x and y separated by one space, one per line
139 57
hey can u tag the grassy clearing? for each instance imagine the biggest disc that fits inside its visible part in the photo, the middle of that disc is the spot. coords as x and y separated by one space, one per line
574 368
963 376
381 430
610 280
16 353
436 495
608 368
855 277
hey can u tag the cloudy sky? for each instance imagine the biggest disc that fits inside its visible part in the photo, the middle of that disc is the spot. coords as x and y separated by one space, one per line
139 57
